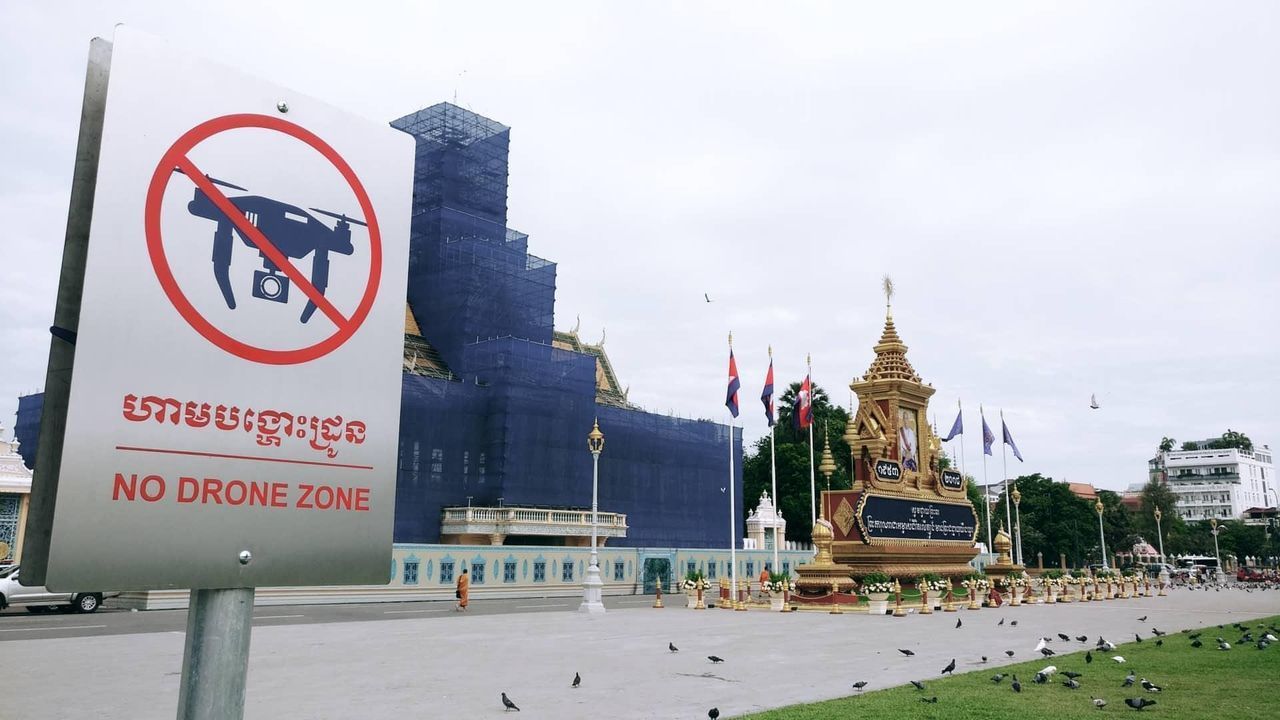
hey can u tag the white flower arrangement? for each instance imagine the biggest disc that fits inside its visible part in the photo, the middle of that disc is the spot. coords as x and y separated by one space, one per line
934 586
976 584
690 585
880 587
780 586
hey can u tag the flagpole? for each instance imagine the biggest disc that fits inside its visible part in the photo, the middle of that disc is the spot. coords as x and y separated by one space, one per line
1004 463
733 520
813 495
986 483
773 473
964 474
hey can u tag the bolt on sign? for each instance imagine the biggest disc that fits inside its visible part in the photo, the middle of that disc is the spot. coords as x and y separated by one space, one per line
234 405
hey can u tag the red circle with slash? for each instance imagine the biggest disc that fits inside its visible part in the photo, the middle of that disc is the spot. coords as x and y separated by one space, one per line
178 157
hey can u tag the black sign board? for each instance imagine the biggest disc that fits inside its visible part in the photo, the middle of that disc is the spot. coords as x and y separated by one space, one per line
952 480
888 470
885 518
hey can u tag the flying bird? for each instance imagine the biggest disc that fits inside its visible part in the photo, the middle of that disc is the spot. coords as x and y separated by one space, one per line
1138 703
506 702
908 653
672 647
707 297
919 685
1143 618
859 685
1093 401
577 680
715 659
950 668
1158 633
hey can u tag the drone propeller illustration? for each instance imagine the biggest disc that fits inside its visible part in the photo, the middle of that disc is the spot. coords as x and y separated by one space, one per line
292 230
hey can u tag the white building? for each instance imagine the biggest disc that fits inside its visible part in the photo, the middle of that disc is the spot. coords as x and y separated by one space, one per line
15 496
1219 484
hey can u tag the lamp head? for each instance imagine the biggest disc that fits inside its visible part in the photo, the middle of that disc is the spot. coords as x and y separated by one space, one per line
1097 505
595 439
1017 496
1157 514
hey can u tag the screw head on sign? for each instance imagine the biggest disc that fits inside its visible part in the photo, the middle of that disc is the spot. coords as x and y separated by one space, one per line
282 106
245 557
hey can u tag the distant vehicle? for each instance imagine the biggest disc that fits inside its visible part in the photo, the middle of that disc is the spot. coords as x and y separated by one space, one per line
1153 569
38 599
1250 575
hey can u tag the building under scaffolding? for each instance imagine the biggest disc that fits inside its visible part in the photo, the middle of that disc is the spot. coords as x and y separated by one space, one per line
496 405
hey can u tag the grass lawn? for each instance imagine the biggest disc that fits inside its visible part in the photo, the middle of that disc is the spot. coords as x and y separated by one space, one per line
1242 682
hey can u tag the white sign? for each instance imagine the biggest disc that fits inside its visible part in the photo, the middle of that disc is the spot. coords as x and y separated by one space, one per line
235 400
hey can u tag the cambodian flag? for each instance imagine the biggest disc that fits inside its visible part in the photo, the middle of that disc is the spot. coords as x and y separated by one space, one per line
731 399
766 397
988 437
1008 439
804 404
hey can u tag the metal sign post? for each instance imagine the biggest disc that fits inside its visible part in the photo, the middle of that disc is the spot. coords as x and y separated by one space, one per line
209 425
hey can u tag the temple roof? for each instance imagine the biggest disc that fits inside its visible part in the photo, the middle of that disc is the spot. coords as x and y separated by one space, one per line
608 391
891 357
420 357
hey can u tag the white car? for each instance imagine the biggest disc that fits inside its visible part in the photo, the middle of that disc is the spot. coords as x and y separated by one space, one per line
39 599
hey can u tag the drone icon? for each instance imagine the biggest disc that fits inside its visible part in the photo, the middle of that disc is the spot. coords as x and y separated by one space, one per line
294 232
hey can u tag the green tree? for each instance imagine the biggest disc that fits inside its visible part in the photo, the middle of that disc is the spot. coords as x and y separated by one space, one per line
1054 521
1190 445
792 449
1167 443
1232 439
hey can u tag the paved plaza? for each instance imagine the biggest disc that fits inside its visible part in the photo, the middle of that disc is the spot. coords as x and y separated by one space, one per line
455 666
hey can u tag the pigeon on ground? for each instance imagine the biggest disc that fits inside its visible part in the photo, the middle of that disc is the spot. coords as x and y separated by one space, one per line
1013 623
715 659
951 666
577 680
1195 636
1160 642
908 653
1128 679
1017 686
1001 623
959 622
1040 678
1071 684
919 685
1138 703
859 685
1142 619
1158 633
1098 702
672 647
1008 653
1196 643
1082 638
1137 637
713 713
506 702
997 678
1046 652
1072 675
933 700
1108 646
1088 656
1149 686
984 657
1064 637
1118 658
1224 645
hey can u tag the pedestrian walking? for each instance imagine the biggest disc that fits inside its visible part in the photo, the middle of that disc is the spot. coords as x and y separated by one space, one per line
463 590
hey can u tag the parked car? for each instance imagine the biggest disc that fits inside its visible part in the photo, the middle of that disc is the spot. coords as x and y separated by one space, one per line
38 599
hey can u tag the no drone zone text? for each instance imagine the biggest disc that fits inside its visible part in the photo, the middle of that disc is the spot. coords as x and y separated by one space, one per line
237 493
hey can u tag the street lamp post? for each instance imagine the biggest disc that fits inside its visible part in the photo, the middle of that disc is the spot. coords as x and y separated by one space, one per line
1102 534
1164 562
1218 576
592 588
1017 527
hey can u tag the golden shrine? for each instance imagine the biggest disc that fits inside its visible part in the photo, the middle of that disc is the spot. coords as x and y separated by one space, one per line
904 515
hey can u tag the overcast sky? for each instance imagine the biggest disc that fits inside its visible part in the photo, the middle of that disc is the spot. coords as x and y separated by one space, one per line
1071 200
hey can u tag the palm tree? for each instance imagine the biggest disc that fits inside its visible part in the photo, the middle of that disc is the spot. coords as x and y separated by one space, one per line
1167 443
